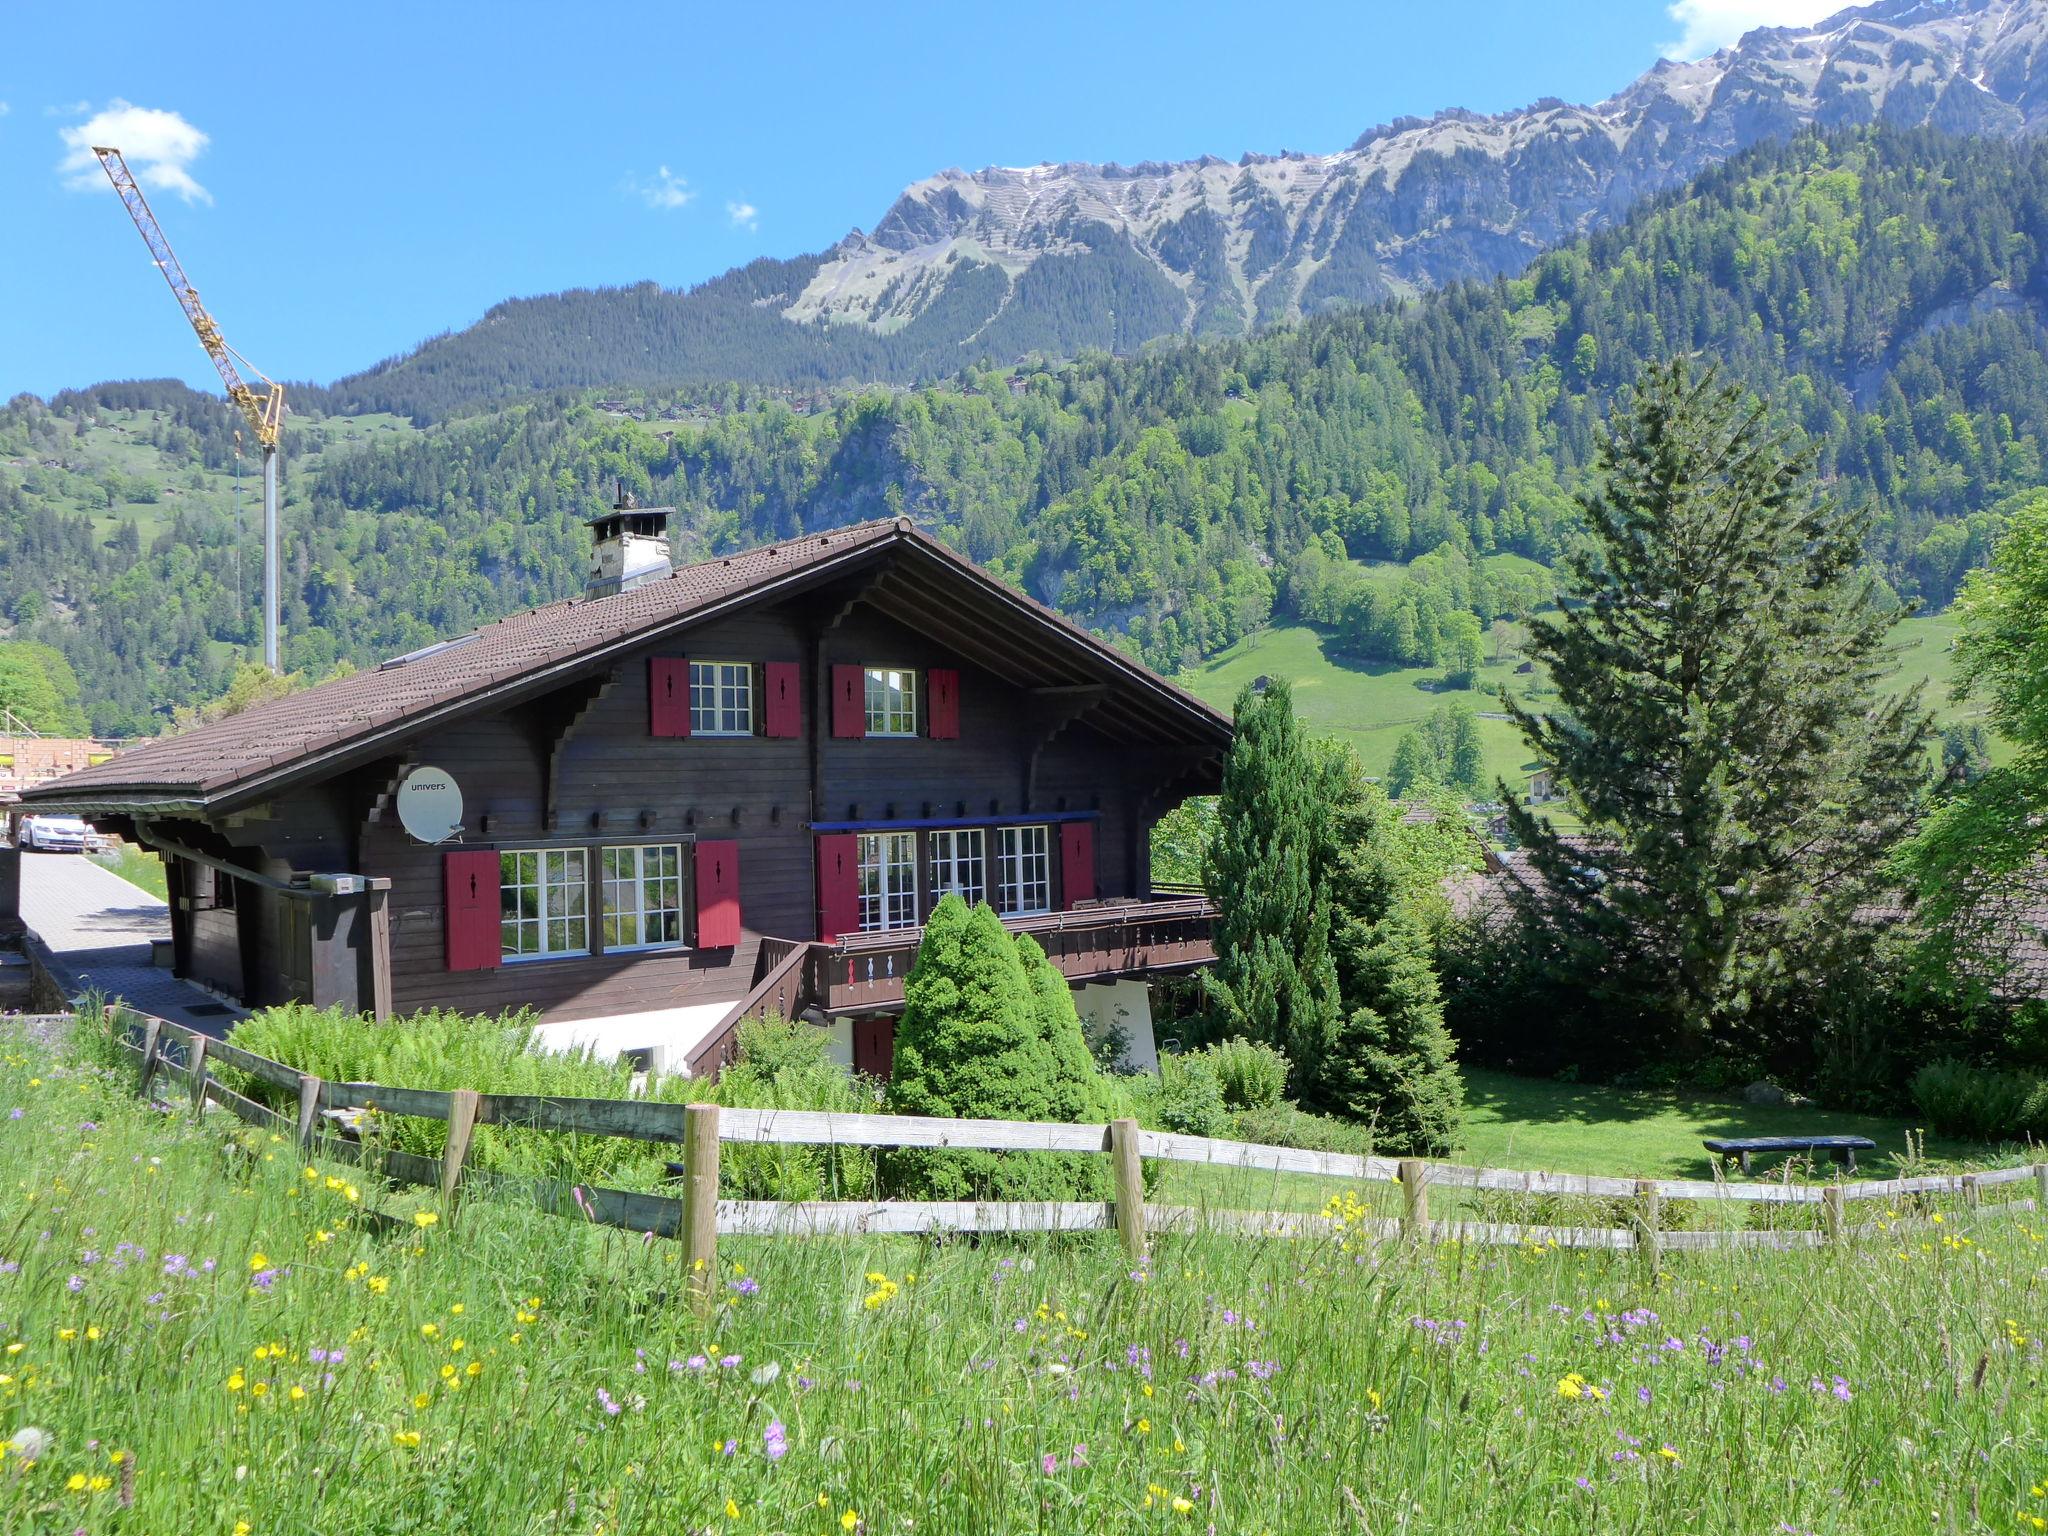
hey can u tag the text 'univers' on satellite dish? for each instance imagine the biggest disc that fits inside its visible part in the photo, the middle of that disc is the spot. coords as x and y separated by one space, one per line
430 805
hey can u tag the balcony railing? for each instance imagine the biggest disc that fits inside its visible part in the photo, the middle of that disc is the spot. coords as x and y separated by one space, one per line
864 972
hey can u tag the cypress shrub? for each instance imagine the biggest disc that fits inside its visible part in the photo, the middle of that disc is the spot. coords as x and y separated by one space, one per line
974 1044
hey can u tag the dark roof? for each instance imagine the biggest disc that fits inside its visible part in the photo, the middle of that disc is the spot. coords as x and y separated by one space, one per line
2016 928
349 718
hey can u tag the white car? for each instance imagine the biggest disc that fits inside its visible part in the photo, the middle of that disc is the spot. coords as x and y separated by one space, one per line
57 834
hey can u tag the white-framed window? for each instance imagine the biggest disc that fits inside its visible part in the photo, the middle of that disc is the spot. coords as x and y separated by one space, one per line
892 701
888 880
721 698
544 902
1023 870
959 863
643 896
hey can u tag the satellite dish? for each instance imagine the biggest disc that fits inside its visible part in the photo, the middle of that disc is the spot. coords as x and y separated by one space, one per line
430 805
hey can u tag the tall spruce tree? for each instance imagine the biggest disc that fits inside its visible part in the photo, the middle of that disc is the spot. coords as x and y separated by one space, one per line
1719 726
1266 870
1390 1061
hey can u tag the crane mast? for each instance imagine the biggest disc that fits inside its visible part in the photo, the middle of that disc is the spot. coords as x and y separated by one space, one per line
265 412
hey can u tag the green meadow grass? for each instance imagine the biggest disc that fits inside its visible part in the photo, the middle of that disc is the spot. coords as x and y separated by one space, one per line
199 1337
1370 705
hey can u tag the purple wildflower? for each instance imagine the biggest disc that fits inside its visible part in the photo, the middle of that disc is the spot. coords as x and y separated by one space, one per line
607 1402
1049 1464
774 1440
747 1286
75 1284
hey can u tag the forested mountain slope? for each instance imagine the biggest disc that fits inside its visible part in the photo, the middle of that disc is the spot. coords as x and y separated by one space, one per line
1365 470
989 266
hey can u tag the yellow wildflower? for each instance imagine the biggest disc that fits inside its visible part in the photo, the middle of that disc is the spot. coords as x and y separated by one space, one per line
409 1438
848 1521
259 1261
425 1218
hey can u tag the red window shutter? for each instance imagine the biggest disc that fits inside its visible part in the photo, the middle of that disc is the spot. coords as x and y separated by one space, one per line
942 702
471 881
718 894
849 701
668 696
1077 862
782 689
838 884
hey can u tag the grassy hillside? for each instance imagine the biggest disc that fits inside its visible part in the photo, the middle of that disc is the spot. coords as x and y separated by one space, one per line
205 1334
1369 705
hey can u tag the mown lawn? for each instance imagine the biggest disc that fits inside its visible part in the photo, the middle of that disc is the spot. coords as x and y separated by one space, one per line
200 1333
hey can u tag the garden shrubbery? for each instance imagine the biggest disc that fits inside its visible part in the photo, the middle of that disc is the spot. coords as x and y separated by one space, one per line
1981 1104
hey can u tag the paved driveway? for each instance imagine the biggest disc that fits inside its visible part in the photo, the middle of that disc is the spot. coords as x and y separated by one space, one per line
99 926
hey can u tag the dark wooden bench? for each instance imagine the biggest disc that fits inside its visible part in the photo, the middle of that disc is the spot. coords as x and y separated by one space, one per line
1842 1149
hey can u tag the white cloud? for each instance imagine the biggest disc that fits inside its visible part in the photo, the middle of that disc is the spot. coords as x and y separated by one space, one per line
1712 24
744 216
667 190
69 109
159 147
5 109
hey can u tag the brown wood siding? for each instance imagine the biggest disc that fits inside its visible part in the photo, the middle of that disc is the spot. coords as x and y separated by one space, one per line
754 791
215 956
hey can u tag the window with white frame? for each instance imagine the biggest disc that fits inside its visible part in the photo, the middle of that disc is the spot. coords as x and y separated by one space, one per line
1023 870
888 880
544 900
958 864
721 698
643 896
892 702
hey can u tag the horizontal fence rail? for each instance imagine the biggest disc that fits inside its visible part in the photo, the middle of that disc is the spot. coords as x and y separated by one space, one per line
699 1217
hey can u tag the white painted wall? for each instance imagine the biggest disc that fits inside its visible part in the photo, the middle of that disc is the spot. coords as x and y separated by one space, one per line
1128 1003
667 1035
839 1042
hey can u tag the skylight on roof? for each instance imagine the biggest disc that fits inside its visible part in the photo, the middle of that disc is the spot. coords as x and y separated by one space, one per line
427 650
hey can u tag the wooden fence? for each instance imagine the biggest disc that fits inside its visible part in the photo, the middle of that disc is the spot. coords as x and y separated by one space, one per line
698 1217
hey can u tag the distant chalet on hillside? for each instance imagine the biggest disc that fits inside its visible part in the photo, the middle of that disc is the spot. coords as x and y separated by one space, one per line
731 788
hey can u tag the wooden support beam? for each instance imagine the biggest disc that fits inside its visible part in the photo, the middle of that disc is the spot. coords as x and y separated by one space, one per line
195 1061
558 716
1129 1177
1832 1223
462 1104
1414 1199
309 1110
1649 1224
151 1044
700 1204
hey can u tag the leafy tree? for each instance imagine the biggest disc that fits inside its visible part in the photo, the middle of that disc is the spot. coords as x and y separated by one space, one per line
38 687
1443 750
1978 861
974 1044
1719 727
1180 841
1273 980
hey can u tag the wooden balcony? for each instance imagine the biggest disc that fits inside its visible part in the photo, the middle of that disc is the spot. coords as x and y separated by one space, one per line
864 972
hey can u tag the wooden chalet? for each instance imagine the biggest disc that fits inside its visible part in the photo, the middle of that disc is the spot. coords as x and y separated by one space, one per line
688 796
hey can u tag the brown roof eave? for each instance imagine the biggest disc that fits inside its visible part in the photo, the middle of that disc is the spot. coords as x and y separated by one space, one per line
514 686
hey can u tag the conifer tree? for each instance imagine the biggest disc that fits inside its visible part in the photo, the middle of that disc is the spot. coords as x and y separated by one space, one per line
1265 867
1719 726
974 1043
1390 1062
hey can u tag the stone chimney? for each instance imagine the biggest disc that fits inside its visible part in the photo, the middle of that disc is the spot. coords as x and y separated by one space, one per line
629 546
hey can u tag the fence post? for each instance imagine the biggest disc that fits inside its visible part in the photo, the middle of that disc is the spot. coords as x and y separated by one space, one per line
1971 1195
1414 1198
700 1202
309 1109
195 1061
150 1043
1129 1178
1649 1217
462 1104
2041 1189
1831 1212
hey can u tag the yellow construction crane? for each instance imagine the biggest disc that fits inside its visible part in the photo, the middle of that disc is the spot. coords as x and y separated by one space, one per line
265 412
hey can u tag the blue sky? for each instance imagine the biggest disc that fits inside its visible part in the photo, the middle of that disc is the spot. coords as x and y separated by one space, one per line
344 181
